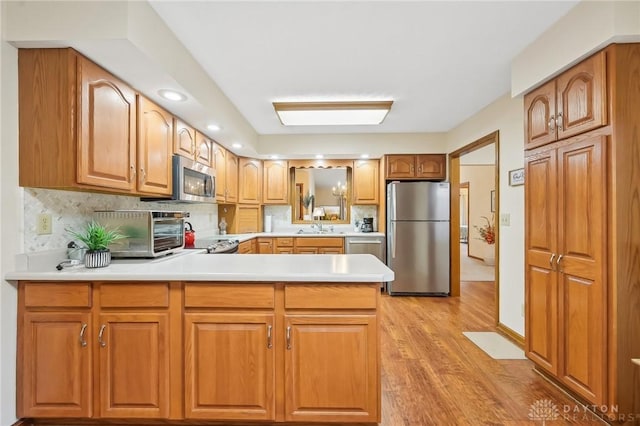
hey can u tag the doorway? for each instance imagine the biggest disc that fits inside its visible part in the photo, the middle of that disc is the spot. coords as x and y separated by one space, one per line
455 205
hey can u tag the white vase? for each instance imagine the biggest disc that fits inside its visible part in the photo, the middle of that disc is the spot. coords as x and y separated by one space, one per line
490 254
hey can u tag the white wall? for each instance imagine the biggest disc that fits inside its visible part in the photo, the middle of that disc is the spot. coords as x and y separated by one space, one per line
481 179
11 238
505 115
589 26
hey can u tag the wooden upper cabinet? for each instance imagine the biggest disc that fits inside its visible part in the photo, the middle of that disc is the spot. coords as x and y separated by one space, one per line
220 165
366 182
204 149
106 129
400 166
155 144
231 179
418 166
431 166
184 139
275 182
249 181
570 104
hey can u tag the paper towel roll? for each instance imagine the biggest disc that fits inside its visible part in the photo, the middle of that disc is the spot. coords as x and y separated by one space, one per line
267 224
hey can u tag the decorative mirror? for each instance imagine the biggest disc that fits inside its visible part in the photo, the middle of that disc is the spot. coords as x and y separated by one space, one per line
321 191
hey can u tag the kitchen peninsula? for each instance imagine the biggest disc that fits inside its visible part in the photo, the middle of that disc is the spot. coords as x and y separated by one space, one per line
192 337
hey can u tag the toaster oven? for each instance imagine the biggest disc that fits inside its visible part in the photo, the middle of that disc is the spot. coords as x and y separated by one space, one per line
147 233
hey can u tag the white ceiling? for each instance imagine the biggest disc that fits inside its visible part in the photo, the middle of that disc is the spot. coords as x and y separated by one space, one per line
440 61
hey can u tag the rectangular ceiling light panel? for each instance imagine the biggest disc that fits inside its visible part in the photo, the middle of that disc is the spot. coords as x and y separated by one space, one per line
332 113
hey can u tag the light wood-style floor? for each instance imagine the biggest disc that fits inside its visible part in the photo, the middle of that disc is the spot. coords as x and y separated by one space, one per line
433 375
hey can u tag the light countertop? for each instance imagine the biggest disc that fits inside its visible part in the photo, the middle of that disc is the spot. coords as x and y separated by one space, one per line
276 234
196 265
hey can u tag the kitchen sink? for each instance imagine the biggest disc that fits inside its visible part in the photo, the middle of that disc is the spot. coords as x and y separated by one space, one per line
318 232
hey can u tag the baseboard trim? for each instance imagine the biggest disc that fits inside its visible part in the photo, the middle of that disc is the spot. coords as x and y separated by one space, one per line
511 335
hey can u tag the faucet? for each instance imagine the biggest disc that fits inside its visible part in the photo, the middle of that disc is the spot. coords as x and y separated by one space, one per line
317 225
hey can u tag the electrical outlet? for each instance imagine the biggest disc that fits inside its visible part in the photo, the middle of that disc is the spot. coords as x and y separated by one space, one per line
505 219
43 226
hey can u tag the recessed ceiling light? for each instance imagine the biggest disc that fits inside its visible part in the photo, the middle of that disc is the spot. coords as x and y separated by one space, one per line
319 156
274 157
172 95
332 113
214 127
364 155
236 145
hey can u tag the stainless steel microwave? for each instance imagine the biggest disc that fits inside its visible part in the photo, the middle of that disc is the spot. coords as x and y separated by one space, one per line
193 182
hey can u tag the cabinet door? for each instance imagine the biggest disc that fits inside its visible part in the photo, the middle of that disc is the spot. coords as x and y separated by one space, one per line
106 129
539 116
331 368
541 289
249 181
431 166
245 247
155 143
204 150
581 97
275 182
56 365
231 177
582 242
184 139
330 250
229 366
400 166
220 164
265 245
306 250
134 365
366 182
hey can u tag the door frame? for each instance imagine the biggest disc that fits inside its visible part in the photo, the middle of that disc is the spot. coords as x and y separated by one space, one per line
468 188
454 179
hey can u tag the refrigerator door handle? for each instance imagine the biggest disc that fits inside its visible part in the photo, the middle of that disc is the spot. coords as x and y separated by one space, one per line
393 240
392 202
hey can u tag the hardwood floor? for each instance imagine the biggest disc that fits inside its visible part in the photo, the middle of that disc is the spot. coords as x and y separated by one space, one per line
433 375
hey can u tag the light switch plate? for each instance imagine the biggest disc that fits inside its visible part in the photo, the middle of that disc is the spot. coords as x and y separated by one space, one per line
505 219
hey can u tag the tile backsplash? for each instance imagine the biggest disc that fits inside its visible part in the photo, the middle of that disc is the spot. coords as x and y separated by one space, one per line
71 210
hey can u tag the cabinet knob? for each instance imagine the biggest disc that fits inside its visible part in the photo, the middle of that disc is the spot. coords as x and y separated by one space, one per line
552 124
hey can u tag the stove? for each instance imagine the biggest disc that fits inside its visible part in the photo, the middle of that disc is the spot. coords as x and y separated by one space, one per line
217 245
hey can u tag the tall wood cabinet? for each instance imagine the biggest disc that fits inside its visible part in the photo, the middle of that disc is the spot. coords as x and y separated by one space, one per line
580 272
366 182
226 165
155 144
249 181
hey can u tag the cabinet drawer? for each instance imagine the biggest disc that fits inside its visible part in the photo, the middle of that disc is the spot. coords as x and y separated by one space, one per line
331 296
284 242
50 294
125 295
319 242
203 295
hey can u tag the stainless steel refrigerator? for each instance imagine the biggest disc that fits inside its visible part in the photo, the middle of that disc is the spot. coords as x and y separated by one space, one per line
418 238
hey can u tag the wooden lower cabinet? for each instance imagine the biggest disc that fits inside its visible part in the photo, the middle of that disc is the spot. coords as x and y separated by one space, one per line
229 366
54 352
329 368
134 365
319 245
195 351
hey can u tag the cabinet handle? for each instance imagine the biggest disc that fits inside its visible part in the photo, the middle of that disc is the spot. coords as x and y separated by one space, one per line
411 168
83 342
133 173
558 261
559 121
553 255
552 124
420 169
143 175
269 337
102 342
289 337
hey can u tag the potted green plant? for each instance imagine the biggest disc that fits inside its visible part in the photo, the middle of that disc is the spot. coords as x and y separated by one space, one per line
96 238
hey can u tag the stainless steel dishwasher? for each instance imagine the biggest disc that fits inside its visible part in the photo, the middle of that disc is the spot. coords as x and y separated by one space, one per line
366 245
